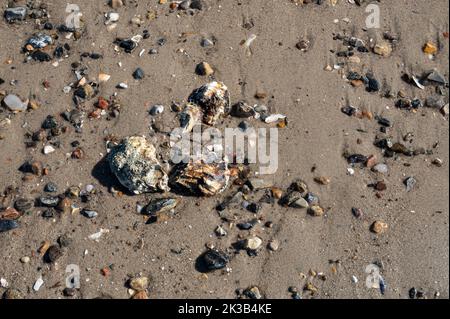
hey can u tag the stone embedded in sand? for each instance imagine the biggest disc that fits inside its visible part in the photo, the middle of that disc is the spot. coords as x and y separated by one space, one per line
135 165
190 117
383 48
139 283
14 103
7 225
214 259
204 69
253 243
316 211
214 101
158 206
15 14
200 179
430 48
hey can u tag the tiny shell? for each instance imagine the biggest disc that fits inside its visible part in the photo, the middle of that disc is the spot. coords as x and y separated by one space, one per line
159 206
200 179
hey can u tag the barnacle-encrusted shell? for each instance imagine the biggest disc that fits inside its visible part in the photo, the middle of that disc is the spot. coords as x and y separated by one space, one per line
214 99
135 164
200 179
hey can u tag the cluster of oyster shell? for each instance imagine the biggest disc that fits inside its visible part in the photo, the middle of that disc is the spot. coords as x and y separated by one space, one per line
135 164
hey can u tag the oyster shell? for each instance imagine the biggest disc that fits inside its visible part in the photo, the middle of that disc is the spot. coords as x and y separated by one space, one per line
214 100
135 165
200 179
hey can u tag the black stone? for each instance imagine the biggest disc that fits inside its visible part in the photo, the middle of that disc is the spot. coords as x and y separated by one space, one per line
215 259
53 254
356 159
40 56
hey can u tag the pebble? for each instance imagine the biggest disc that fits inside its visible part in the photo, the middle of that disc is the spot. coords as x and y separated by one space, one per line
139 283
274 245
156 110
253 293
51 188
89 213
220 231
15 14
215 260
206 43
48 149
25 260
253 243
379 227
383 48
410 183
138 74
14 103
380 168
53 254
438 162
38 284
316 211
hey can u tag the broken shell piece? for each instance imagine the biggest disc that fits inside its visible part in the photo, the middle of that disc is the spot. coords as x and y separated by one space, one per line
214 99
190 117
200 179
159 206
135 164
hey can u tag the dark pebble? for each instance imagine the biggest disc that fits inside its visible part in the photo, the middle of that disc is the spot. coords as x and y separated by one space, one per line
48 213
69 292
7 225
40 56
49 201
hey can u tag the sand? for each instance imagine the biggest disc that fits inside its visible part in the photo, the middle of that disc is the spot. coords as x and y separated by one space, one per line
414 250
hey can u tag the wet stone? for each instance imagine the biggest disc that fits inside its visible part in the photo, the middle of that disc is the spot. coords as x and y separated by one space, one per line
51 188
7 225
49 201
138 74
410 183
